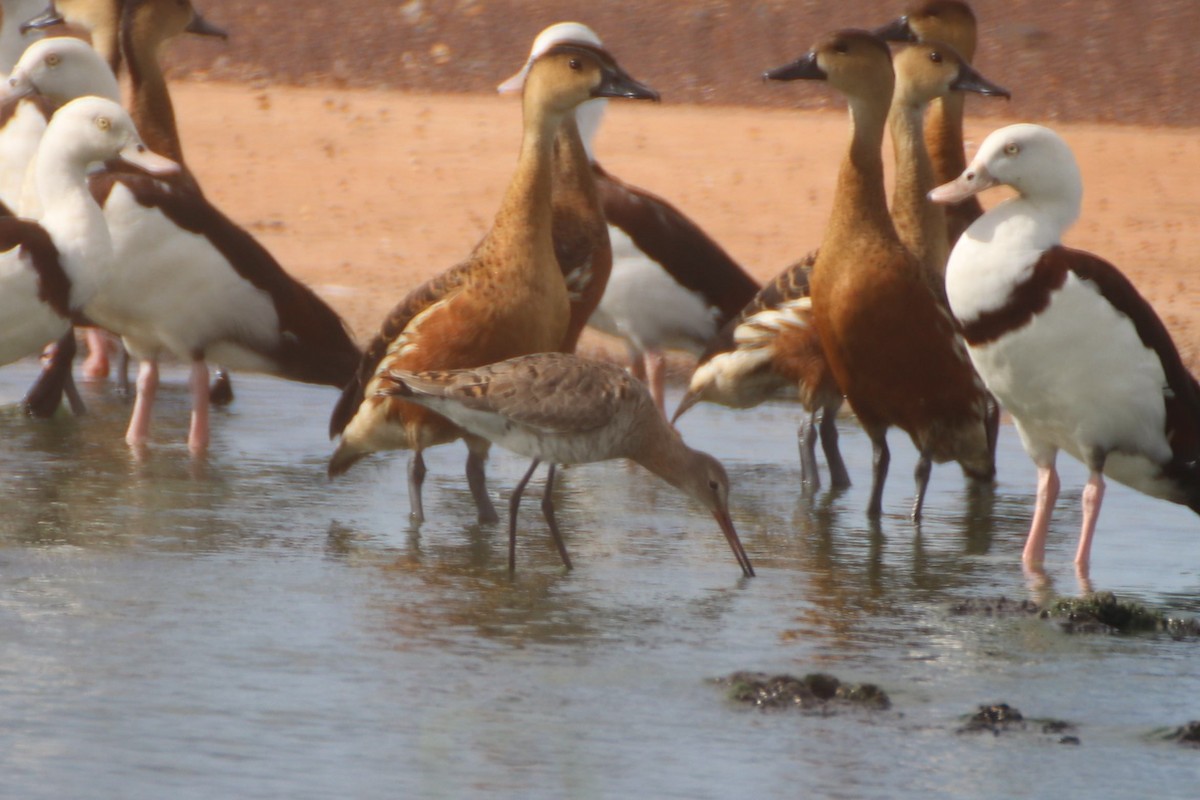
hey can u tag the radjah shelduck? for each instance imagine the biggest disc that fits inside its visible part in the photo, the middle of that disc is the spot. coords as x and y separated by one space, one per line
50 269
54 71
562 409
672 286
892 346
949 22
21 122
1073 352
188 281
507 299
111 33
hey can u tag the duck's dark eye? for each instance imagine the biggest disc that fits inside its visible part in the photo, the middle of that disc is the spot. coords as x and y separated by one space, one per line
714 485
841 47
935 57
575 64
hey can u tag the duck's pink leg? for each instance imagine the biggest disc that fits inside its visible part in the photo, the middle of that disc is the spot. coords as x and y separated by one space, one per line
656 377
1093 496
96 366
143 406
1047 495
198 433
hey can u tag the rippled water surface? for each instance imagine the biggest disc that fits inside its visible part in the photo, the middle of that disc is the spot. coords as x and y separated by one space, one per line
246 628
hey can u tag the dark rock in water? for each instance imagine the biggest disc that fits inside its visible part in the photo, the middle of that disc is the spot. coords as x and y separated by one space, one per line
996 718
1003 718
1099 612
1189 734
1102 612
994 607
814 692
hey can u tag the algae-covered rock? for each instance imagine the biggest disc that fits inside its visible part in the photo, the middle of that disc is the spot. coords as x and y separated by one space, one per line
814 692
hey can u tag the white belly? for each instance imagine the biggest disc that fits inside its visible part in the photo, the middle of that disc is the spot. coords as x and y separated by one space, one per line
172 290
26 323
645 306
1078 378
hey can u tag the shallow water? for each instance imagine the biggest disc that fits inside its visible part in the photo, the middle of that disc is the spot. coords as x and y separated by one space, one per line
247 629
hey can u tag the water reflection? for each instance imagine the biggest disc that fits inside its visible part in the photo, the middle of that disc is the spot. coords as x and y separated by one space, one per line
243 627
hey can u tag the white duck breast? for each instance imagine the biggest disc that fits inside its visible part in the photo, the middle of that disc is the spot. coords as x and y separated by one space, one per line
61 263
646 305
22 124
185 307
1110 395
28 322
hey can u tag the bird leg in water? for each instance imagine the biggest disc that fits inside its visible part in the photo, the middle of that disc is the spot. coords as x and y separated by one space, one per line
416 478
839 476
921 474
477 454
810 479
548 513
1047 494
880 460
198 431
514 506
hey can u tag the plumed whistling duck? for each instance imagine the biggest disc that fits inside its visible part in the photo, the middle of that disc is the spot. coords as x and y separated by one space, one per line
773 344
507 299
772 349
49 269
581 242
188 281
1065 341
891 344
671 285
951 22
560 408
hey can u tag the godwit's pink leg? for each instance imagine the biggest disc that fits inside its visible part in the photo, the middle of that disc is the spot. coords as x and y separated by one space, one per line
95 366
1093 496
143 406
656 378
198 433
1047 495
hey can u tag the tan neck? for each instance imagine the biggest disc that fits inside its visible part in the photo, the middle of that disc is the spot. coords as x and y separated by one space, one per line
150 101
920 224
524 219
574 180
860 203
944 137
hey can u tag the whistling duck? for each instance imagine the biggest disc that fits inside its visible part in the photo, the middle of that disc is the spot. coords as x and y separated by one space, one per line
771 350
773 345
891 344
560 408
951 22
187 281
507 299
49 269
1065 341
925 72
671 285
580 231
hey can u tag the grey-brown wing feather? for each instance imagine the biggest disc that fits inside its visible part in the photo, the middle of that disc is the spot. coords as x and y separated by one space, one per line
548 392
